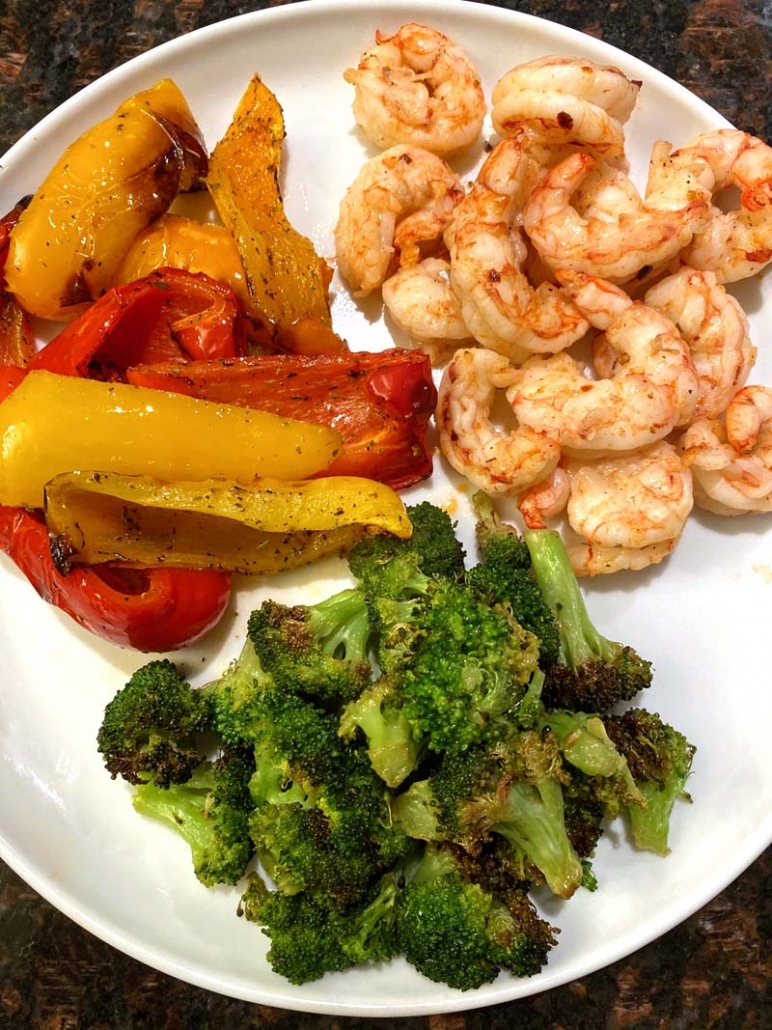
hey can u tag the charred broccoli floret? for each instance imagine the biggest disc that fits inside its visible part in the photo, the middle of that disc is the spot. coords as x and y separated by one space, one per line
151 729
456 932
510 788
210 812
311 936
592 673
660 760
319 649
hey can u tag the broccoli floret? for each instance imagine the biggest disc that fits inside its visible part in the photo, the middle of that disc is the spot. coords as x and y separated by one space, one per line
660 760
322 819
211 812
455 932
504 576
510 788
386 566
470 666
320 649
585 744
592 673
310 936
234 697
151 728
393 746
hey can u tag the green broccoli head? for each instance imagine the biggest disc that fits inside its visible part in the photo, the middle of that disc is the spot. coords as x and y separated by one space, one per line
592 673
660 760
504 576
320 650
393 746
470 666
311 936
210 812
399 569
456 932
151 727
509 788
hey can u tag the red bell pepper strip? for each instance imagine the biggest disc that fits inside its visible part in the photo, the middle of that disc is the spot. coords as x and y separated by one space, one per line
152 610
381 403
169 314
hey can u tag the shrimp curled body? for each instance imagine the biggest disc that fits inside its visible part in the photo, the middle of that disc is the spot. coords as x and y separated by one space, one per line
731 458
418 87
616 249
651 386
400 199
499 461
487 252
715 327
564 102
733 244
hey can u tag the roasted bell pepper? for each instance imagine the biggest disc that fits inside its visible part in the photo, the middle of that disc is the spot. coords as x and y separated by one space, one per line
150 609
51 424
109 184
173 241
17 342
170 314
94 517
380 403
286 278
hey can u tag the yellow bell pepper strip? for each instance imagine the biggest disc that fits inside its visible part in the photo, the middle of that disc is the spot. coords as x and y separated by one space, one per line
51 424
381 403
286 278
109 184
95 517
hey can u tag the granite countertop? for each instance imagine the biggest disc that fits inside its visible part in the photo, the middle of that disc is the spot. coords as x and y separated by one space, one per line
714 972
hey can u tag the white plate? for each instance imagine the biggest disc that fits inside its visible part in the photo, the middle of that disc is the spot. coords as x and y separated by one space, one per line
70 831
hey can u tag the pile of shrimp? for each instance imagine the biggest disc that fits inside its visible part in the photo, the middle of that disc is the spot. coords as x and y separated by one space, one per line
594 362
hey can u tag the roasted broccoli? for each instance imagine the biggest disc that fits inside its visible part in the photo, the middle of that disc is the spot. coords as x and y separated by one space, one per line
407 759
311 936
456 932
592 673
151 729
512 788
320 649
211 812
504 576
660 760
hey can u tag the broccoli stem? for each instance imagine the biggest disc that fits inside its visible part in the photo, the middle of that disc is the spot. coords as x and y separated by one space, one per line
532 818
580 641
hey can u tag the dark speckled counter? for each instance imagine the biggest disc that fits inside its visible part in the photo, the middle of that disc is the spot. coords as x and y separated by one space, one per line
714 972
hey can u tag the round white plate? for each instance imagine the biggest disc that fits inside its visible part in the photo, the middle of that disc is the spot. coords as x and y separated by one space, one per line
70 831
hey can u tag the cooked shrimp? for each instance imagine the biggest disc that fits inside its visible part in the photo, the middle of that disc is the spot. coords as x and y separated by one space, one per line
423 305
715 327
613 248
597 559
503 310
400 199
631 500
566 102
652 386
731 458
497 460
416 86
545 500
733 244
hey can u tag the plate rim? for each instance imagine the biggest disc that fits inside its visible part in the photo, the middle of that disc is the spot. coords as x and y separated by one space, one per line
68 904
